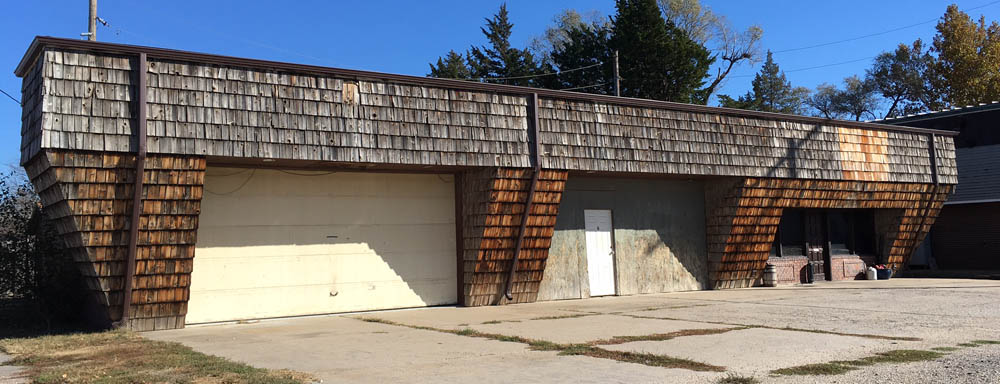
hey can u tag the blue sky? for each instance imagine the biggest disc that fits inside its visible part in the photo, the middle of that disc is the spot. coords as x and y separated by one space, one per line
403 36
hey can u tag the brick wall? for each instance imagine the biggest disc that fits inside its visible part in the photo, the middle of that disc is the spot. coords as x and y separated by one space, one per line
790 269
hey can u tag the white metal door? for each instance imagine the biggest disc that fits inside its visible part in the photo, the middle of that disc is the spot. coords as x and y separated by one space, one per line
600 255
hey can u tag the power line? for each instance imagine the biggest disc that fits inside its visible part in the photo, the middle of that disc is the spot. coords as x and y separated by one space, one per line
538 75
12 97
322 173
876 33
585 86
228 37
252 172
816 67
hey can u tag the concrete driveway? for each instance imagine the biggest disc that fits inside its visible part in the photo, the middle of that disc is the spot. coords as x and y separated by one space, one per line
678 337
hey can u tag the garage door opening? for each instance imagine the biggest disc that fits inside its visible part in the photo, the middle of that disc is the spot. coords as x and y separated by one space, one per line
274 243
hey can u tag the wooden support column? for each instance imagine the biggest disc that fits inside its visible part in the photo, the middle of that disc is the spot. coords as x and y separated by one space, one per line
493 204
140 163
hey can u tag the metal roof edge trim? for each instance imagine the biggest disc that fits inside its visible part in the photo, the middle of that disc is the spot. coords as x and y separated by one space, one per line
41 42
954 112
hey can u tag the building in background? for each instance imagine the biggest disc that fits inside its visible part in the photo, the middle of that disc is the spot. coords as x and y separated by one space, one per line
198 188
966 235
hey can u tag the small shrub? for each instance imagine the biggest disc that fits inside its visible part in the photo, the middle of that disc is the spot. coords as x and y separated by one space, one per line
35 268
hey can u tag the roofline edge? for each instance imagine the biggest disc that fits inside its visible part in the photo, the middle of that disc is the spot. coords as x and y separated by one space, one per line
39 43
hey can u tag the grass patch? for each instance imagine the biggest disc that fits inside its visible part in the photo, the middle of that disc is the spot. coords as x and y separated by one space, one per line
985 342
492 322
124 357
737 379
945 349
899 356
814 370
640 358
665 336
967 345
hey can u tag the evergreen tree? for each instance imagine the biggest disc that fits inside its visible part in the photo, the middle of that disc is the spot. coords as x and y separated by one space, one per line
452 66
658 60
496 60
585 46
772 92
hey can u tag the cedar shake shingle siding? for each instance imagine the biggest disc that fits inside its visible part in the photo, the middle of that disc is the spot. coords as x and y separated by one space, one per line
240 112
81 125
595 136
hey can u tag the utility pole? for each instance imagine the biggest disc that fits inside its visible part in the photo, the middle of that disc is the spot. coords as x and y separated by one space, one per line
618 86
92 31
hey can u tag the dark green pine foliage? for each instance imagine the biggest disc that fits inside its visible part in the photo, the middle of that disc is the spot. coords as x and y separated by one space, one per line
498 60
587 46
452 66
772 92
657 59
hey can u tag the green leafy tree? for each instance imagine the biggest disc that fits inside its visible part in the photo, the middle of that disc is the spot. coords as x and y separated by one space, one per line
825 101
967 67
657 59
901 78
858 98
734 47
772 92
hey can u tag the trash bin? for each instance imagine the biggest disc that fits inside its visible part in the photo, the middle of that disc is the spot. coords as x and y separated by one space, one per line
884 274
871 273
770 276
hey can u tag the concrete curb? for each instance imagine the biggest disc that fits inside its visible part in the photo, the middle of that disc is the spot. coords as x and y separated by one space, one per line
10 374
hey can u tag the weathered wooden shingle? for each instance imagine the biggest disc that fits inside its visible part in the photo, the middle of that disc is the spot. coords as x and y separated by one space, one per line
81 100
594 136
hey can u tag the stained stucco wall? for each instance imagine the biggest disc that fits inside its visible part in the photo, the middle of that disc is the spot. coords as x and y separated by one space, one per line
659 236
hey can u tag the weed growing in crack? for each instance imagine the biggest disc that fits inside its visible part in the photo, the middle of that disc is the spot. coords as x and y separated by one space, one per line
899 356
945 349
560 317
665 336
814 370
985 342
737 379
571 349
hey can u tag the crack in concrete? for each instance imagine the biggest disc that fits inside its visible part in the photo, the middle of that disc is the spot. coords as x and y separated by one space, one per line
746 326
581 349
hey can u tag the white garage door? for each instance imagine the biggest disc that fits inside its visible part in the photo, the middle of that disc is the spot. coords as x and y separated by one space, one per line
288 243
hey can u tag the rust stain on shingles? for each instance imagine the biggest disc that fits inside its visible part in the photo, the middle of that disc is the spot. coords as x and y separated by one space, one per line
864 154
